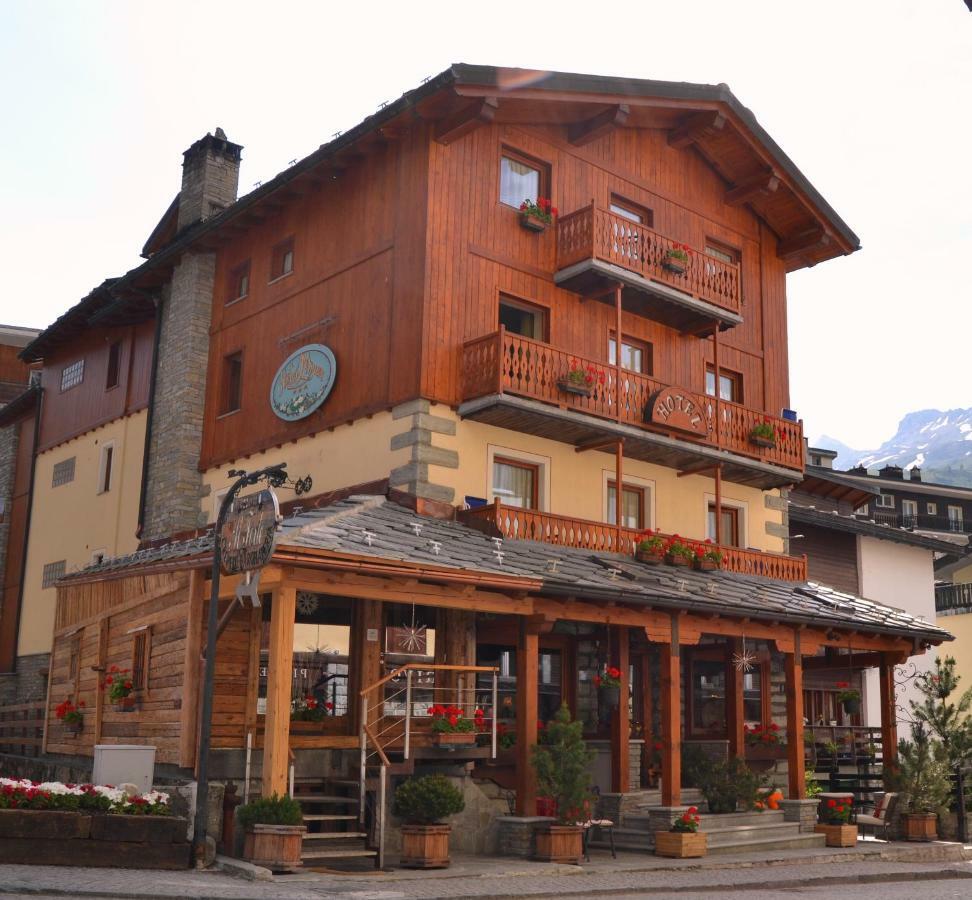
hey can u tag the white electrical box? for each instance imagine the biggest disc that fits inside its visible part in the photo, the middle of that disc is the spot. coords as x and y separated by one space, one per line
117 764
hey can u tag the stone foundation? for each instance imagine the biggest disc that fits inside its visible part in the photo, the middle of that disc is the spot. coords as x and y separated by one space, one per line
515 835
802 811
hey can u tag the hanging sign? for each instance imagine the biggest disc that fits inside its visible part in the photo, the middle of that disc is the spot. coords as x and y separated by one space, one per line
246 540
679 411
303 382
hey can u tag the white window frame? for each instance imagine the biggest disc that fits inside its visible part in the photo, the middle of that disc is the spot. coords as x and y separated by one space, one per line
879 501
102 466
646 484
741 505
909 507
954 518
69 372
931 509
103 553
543 462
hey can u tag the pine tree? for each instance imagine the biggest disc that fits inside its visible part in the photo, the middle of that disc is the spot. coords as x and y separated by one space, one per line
923 772
562 765
950 722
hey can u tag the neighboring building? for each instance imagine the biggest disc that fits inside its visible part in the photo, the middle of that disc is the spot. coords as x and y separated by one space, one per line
491 412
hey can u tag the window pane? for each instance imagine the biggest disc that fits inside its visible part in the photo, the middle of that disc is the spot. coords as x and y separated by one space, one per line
708 697
523 321
627 213
632 504
518 182
514 485
753 698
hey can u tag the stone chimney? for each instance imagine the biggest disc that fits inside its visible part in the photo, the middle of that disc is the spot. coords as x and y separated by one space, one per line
895 472
210 178
173 496
915 472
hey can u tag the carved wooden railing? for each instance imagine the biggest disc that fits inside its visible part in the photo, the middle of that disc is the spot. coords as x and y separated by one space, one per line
509 363
594 233
514 523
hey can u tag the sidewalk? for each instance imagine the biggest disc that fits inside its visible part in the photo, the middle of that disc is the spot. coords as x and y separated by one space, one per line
498 878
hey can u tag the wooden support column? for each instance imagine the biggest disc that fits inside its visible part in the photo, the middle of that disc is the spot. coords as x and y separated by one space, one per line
794 720
527 677
617 360
102 665
365 651
671 719
193 668
735 709
455 645
718 503
618 488
280 669
889 711
620 719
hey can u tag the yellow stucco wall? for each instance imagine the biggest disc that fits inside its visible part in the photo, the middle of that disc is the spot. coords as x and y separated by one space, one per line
961 647
73 521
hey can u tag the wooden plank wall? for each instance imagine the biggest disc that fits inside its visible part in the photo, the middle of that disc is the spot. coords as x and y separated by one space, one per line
159 601
477 250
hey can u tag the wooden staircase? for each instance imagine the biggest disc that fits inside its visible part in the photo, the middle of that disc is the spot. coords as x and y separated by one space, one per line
334 838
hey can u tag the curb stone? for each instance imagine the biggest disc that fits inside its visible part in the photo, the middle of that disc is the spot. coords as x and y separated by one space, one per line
242 869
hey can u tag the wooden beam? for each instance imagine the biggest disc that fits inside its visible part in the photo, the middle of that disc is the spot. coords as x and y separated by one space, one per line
620 718
671 718
599 443
527 678
581 133
694 127
794 720
801 242
889 712
735 710
192 669
697 469
467 120
757 186
276 751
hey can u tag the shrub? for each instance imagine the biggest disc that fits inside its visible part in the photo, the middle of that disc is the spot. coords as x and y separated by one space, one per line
728 784
562 764
695 762
427 800
273 810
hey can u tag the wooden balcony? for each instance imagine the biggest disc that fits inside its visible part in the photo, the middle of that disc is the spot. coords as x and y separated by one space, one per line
512 382
597 249
513 523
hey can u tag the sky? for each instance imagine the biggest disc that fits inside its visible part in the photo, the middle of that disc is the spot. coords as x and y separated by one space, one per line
870 98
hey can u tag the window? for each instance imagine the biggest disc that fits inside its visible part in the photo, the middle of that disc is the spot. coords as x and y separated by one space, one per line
63 472
114 360
909 513
723 253
523 318
281 260
52 572
521 178
753 696
104 469
635 355
232 383
141 648
730 525
955 518
516 483
632 505
707 696
730 384
72 375
885 500
931 509
239 281
861 510
634 212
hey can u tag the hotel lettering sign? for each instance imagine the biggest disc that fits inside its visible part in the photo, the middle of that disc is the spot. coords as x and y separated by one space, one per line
303 382
678 410
246 540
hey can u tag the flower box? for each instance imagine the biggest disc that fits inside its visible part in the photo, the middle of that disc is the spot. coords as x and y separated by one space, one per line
681 844
706 565
674 559
425 846
759 441
838 835
275 847
572 387
126 704
675 266
559 843
74 727
765 751
532 223
453 740
920 826
650 557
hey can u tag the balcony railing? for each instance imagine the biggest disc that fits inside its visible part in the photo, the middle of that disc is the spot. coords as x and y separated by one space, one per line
919 521
594 233
502 362
514 523
953 596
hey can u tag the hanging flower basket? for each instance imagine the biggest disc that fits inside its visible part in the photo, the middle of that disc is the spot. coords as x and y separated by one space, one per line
849 698
676 259
126 704
71 716
536 216
571 387
763 435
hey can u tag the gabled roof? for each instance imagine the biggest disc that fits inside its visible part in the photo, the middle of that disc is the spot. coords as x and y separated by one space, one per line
820 481
19 405
165 229
373 529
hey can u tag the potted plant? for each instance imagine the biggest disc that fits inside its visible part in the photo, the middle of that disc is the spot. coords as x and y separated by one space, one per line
580 379
561 764
274 832
849 698
707 557
676 259
422 804
923 780
451 728
764 744
763 434
835 814
120 689
651 548
727 785
608 684
683 840
678 552
310 709
70 716
537 215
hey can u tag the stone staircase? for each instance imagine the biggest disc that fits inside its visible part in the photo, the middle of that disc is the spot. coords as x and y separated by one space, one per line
333 838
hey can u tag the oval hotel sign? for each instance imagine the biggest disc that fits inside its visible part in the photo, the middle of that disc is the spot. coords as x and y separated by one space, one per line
303 382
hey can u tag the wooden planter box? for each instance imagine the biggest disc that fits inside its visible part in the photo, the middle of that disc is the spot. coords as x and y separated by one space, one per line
425 846
706 565
651 558
675 266
920 826
126 704
682 562
559 843
454 740
758 441
759 752
532 223
74 727
571 387
275 847
680 844
838 835
55 838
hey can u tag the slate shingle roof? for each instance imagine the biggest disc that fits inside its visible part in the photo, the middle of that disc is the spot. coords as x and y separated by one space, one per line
377 528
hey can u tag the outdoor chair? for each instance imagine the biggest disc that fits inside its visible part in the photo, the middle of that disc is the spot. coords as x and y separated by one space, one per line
596 820
881 817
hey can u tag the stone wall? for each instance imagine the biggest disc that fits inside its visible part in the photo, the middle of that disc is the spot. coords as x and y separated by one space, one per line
9 438
28 682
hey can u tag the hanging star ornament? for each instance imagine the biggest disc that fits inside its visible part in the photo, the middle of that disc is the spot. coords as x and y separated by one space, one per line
412 638
744 661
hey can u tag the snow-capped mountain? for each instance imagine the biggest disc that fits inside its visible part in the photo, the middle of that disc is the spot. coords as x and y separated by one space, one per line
940 443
